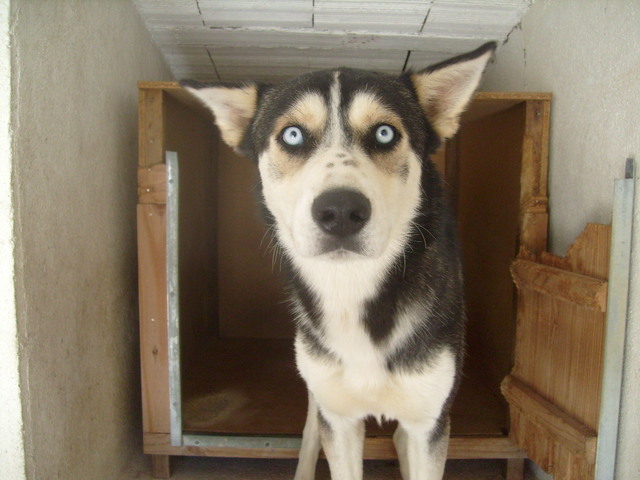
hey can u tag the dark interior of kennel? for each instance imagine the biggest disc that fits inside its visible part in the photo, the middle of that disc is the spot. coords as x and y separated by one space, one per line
237 356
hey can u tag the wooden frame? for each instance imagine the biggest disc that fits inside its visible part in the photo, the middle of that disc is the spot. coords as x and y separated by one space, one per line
163 105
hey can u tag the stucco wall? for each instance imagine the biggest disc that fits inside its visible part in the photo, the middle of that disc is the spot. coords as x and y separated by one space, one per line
587 53
75 68
11 447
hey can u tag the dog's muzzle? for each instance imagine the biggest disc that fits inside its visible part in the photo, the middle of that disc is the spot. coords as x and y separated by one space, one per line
341 214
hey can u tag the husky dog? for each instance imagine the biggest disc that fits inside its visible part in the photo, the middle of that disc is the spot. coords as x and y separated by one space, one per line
370 246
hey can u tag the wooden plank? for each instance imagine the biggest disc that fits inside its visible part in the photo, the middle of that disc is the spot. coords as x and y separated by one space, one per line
559 353
460 448
521 96
582 290
376 448
153 317
576 436
533 175
515 469
235 386
152 184
471 447
559 347
485 104
161 466
252 294
158 85
536 149
488 212
174 90
150 127
508 97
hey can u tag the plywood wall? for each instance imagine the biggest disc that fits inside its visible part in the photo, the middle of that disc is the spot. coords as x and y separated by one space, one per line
488 198
252 300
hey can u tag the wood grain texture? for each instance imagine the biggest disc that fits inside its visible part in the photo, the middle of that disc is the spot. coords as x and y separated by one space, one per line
533 175
161 466
577 437
515 469
488 212
236 387
151 219
252 295
554 391
152 184
376 448
153 317
581 290
150 127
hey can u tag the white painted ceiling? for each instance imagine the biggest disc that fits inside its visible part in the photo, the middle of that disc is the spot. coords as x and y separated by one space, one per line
269 40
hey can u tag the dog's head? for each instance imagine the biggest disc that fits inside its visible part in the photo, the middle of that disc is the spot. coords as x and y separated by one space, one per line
341 152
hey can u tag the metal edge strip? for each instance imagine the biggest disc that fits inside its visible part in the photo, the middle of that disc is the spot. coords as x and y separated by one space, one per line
243 442
173 298
616 324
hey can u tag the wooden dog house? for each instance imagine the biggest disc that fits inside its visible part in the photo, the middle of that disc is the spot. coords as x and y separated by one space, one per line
241 395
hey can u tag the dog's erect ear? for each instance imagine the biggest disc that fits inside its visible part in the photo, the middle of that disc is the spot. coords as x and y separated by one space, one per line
232 105
444 89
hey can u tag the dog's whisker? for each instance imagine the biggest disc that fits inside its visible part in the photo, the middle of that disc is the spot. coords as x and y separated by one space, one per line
420 232
271 244
281 257
274 257
423 228
404 264
264 235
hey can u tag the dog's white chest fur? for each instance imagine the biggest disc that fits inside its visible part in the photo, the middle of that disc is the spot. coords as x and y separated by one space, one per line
359 385
357 382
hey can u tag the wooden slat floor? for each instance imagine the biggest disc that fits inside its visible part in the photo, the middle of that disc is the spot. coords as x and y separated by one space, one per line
201 468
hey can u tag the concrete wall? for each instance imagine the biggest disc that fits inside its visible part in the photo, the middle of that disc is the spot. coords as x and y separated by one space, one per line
587 53
75 68
11 446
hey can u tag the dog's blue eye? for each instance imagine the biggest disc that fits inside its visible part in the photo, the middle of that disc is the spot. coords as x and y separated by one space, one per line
293 136
385 134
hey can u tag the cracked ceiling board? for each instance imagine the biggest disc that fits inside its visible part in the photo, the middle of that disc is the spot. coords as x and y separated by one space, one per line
271 40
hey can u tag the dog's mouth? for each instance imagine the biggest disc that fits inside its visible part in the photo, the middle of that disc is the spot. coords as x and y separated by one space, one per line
340 249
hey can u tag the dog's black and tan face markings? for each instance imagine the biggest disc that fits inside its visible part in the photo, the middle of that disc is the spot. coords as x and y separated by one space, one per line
378 131
296 134
345 129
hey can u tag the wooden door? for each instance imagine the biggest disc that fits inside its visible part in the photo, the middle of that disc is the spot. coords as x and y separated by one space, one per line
554 388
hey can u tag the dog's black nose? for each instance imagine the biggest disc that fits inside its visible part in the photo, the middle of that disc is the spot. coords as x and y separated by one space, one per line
341 212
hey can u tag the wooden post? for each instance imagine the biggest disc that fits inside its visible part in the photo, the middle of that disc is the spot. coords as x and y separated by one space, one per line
161 466
515 469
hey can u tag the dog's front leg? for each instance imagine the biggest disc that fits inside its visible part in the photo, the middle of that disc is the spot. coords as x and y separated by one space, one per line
421 456
343 442
310 448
